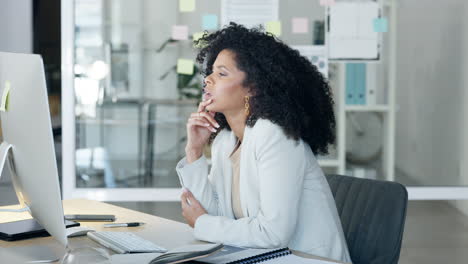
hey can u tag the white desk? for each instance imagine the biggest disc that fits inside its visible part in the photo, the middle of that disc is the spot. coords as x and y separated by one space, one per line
166 233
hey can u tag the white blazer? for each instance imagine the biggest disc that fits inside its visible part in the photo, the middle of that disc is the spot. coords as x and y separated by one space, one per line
285 197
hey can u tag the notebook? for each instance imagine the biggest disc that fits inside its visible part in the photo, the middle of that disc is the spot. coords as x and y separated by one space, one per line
177 255
236 255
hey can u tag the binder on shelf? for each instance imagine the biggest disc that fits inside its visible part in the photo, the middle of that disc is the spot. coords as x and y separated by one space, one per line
360 83
350 84
355 84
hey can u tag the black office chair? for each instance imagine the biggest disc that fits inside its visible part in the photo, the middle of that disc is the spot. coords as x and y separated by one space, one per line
373 216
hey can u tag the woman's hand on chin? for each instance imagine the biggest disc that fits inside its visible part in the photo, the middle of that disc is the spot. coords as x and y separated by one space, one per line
200 126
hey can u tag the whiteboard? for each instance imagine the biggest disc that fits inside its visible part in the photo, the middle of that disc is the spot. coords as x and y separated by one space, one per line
351 34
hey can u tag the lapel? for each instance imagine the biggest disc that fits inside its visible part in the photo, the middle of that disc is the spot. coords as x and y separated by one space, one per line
243 175
228 148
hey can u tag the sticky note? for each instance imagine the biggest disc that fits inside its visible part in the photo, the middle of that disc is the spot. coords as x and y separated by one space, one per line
197 35
186 5
300 25
380 24
179 32
210 22
185 66
327 2
274 27
5 97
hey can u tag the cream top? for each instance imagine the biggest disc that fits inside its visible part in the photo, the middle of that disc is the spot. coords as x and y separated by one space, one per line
235 191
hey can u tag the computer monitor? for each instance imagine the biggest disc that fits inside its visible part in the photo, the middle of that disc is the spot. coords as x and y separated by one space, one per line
26 125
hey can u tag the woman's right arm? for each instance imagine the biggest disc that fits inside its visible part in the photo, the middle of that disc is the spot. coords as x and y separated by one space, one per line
193 169
200 126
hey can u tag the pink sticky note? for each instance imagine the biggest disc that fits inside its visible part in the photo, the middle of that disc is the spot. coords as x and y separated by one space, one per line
180 32
300 25
327 2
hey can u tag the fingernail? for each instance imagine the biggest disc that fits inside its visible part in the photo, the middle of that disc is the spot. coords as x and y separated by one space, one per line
213 130
184 190
217 125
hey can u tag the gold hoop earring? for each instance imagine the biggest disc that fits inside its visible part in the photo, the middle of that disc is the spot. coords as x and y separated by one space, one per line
247 105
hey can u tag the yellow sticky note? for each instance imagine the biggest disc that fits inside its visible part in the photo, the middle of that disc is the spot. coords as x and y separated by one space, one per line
274 27
5 97
185 66
186 5
197 35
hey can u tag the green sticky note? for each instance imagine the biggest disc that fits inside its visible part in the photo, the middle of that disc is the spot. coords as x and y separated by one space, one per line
5 97
185 66
186 5
274 27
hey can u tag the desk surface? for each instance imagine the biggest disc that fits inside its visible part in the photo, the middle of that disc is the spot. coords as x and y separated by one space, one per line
164 232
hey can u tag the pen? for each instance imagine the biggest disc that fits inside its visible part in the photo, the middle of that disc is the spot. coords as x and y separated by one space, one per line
124 224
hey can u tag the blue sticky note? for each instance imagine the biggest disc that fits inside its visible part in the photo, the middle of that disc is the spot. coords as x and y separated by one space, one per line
210 22
380 24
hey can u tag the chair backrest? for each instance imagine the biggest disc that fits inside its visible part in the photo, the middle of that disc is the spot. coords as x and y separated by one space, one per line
373 216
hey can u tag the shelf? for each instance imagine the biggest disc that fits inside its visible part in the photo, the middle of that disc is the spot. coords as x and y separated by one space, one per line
329 162
364 108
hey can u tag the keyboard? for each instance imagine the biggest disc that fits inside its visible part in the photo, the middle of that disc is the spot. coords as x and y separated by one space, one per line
125 242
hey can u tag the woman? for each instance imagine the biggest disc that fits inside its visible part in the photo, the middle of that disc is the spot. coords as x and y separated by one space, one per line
268 112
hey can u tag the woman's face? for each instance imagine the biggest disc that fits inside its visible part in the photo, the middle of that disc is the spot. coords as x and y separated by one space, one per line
224 85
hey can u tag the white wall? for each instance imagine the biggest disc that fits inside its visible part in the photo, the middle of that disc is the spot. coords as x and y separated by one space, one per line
431 90
16 26
463 205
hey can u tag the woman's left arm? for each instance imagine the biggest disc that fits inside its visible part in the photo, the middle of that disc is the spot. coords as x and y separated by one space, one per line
281 168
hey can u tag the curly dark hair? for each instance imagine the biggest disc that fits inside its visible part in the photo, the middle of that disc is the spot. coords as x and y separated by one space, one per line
286 88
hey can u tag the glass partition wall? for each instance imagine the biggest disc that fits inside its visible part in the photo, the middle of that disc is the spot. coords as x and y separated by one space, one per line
124 104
